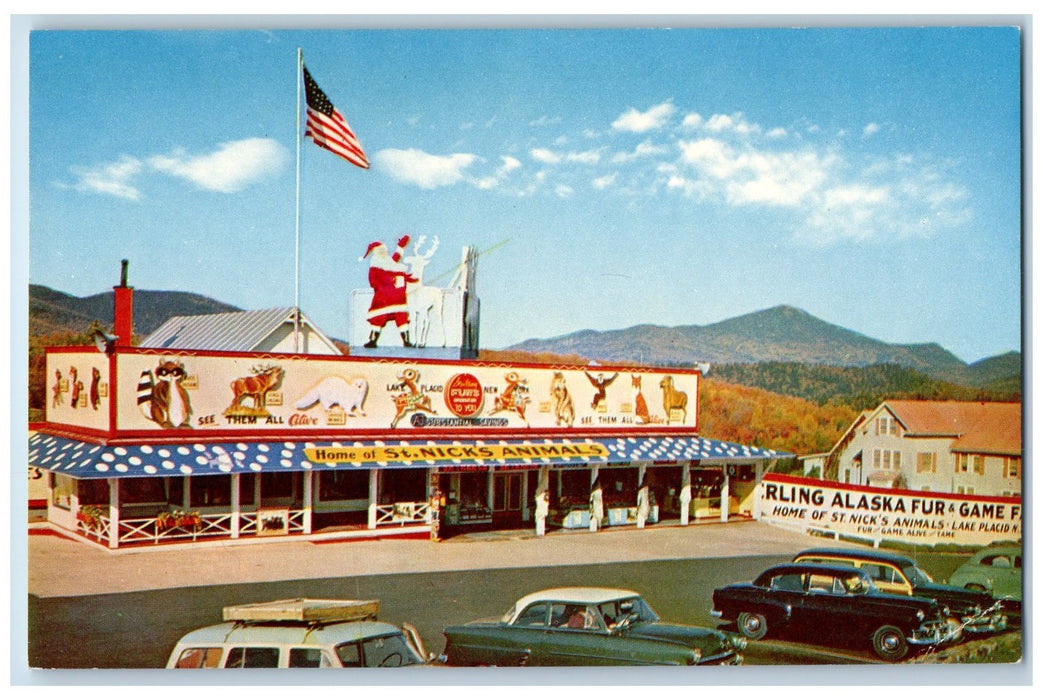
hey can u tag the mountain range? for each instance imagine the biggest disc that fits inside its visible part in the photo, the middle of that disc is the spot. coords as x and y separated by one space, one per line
779 334
782 334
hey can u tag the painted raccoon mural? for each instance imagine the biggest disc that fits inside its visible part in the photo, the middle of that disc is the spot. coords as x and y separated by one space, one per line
161 397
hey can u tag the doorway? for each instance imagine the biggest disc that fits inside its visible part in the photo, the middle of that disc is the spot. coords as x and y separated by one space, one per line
508 495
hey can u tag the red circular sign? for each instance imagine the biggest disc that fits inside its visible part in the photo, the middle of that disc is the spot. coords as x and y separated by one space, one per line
463 395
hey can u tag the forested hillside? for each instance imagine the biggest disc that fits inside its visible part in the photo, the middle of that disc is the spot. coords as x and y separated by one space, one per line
857 387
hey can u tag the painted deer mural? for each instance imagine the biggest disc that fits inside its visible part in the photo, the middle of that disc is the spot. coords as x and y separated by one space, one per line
264 378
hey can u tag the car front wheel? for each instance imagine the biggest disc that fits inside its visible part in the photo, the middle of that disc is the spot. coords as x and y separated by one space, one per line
889 643
752 625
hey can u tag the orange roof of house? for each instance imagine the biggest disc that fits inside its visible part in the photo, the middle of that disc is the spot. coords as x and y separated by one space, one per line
985 427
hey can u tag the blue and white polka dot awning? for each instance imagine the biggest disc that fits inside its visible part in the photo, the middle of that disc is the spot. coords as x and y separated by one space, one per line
85 460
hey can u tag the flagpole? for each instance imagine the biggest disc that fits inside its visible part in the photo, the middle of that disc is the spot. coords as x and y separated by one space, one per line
297 231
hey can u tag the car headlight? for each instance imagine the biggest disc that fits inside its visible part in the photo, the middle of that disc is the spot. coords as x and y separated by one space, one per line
919 615
697 654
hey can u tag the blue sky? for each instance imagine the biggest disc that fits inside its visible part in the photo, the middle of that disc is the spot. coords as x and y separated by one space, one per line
870 176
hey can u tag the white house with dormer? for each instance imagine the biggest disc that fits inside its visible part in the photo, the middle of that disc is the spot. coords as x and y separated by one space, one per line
963 447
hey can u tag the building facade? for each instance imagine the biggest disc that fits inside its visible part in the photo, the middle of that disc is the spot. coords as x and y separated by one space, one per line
176 445
971 448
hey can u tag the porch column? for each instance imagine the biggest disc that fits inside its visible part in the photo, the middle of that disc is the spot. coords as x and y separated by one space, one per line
372 523
233 527
308 486
542 500
594 474
524 495
114 512
724 496
686 492
489 486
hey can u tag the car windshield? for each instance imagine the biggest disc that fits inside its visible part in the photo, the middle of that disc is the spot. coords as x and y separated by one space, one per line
378 652
633 610
509 615
917 576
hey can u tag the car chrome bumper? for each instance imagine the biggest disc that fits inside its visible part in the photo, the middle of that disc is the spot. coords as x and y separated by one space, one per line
992 623
930 634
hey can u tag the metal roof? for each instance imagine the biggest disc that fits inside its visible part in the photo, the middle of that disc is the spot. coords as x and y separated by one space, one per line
235 331
85 460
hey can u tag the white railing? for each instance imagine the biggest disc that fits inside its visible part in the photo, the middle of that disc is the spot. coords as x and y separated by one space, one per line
98 528
403 513
251 524
142 530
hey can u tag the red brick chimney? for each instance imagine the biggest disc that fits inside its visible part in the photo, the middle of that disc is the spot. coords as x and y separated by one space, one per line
123 313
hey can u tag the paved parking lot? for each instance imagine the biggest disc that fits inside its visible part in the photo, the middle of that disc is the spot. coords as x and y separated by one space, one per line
59 566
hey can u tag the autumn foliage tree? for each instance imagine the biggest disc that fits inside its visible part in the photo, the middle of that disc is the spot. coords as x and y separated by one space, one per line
750 416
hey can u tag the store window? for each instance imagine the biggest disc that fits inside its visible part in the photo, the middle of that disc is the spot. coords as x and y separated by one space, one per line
409 485
247 484
277 488
95 492
206 491
62 489
575 484
138 491
347 485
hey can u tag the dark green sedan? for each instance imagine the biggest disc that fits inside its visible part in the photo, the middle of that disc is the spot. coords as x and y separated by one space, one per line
586 627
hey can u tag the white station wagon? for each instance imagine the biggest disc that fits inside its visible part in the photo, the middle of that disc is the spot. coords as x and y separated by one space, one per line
300 633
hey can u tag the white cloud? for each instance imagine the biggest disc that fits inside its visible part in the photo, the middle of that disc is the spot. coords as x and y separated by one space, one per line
427 171
900 197
692 121
545 155
231 168
749 176
563 191
776 133
510 164
735 123
640 122
645 149
112 179
585 157
870 129
605 181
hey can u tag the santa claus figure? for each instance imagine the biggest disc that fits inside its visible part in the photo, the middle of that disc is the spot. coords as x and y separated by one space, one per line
388 277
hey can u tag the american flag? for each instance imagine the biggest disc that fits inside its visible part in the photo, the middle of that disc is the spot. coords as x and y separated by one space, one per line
328 128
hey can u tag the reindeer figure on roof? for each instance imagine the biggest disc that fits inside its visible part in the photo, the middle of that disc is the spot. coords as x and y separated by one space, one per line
424 302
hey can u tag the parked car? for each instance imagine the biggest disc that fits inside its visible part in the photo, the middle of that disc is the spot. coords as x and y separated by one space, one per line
299 633
971 611
826 601
586 627
994 570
